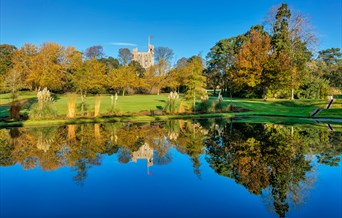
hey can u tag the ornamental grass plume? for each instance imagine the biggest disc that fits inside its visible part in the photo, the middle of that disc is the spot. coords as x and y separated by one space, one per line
171 102
204 105
219 102
44 97
114 99
44 108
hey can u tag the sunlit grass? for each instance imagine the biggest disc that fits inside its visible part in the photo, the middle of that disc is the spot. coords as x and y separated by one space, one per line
137 103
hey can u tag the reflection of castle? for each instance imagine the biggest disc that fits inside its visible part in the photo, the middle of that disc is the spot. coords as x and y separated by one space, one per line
146 59
144 152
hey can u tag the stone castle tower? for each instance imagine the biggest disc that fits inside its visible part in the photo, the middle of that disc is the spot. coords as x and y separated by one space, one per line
146 59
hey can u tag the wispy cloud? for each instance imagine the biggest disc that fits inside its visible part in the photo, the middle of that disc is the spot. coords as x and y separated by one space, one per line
122 44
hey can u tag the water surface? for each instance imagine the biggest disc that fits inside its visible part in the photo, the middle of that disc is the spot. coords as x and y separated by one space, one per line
194 168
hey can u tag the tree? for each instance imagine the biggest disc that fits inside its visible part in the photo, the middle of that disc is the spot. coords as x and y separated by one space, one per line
331 56
91 77
125 56
163 56
24 61
164 53
71 63
6 64
123 78
140 71
325 71
95 51
48 71
220 64
254 62
182 62
292 35
196 81
110 62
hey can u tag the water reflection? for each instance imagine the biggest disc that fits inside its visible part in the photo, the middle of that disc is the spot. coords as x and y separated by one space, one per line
274 161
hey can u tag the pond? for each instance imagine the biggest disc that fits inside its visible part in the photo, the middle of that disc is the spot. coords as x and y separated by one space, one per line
176 168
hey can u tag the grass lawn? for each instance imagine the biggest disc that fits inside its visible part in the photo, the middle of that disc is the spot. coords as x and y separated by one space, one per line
136 103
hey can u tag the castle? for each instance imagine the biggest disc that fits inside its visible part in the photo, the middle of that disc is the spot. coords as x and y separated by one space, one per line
146 59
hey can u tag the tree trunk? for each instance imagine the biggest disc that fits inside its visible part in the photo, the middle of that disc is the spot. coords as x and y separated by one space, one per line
292 94
264 93
123 92
82 102
194 103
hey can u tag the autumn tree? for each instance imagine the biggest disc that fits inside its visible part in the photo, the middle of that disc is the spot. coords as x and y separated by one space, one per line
122 79
71 62
6 64
91 77
24 62
252 62
48 71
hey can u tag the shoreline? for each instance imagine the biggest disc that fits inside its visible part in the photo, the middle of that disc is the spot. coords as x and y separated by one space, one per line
236 116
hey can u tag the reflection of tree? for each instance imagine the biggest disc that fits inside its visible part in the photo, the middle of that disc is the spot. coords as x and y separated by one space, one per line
162 160
190 141
6 149
265 157
124 156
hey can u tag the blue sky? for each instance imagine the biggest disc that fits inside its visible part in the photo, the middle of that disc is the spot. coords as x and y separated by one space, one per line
188 27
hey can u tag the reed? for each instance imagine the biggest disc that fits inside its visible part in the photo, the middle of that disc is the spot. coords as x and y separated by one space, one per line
72 105
97 105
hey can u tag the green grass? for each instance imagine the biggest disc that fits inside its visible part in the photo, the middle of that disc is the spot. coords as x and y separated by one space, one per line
292 108
129 105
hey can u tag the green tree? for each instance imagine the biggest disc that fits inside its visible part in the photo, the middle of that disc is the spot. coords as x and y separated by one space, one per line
110 62
196 81
292 37
140 71
221 61
330 65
